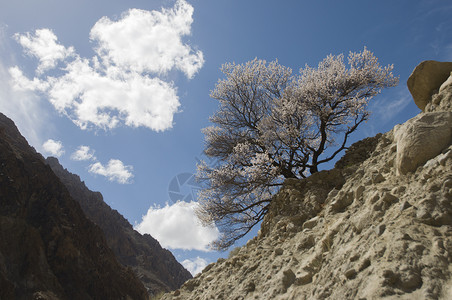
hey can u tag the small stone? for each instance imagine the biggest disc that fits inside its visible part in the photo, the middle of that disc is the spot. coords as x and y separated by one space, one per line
398 190
447 184
405 205
306 243
208 267
350 273
417 248
377 178
341 201
333 193
423 214
354 257
303 279
364 264
191 284
444 157
359 192
374 198
380 229
176 293
439 243
291 227
388 273
221 260
311 223
389 198
279 251
390 277
410 278
288 278
377 206
406 237
250 287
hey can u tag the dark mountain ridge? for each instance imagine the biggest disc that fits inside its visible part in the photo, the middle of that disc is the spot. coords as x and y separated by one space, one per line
48 248
155 267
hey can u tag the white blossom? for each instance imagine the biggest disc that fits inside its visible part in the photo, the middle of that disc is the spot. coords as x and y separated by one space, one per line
272 125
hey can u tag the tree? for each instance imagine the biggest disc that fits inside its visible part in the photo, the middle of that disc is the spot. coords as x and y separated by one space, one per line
272 125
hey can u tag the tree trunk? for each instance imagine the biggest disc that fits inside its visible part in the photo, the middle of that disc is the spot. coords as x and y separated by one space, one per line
313 169
287 173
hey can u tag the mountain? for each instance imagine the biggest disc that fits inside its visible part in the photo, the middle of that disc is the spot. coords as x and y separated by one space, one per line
154 266
377 226
48 248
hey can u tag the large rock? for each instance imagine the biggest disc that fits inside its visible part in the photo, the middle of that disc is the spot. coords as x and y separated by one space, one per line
421 139
426 78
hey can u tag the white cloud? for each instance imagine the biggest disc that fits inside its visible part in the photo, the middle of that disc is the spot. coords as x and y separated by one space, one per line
23 107
43 45
20 82
149 41
83 153
91 99
114 171
195 266
176 226
53 147
120 85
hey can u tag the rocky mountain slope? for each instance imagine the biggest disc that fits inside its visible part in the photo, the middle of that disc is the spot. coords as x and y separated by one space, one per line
48 248
377 226
154 266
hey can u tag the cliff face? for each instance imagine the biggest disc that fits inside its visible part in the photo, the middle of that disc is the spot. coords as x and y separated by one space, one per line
154 266
377 226
48 248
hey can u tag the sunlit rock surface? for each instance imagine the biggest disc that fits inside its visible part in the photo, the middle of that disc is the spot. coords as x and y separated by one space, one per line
378 226
426 79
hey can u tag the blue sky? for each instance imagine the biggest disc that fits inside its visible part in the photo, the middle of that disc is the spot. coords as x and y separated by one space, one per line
119 90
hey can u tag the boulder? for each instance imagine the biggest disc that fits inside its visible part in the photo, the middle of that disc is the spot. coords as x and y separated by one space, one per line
425 79
422 138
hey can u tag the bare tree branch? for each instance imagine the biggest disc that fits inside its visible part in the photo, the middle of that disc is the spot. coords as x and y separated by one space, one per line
273 125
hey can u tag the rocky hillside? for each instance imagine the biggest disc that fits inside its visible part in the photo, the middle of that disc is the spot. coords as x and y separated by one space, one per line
154 266
48 248
377 226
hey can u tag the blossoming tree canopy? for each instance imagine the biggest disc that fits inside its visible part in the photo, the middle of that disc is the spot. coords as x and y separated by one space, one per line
272 125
